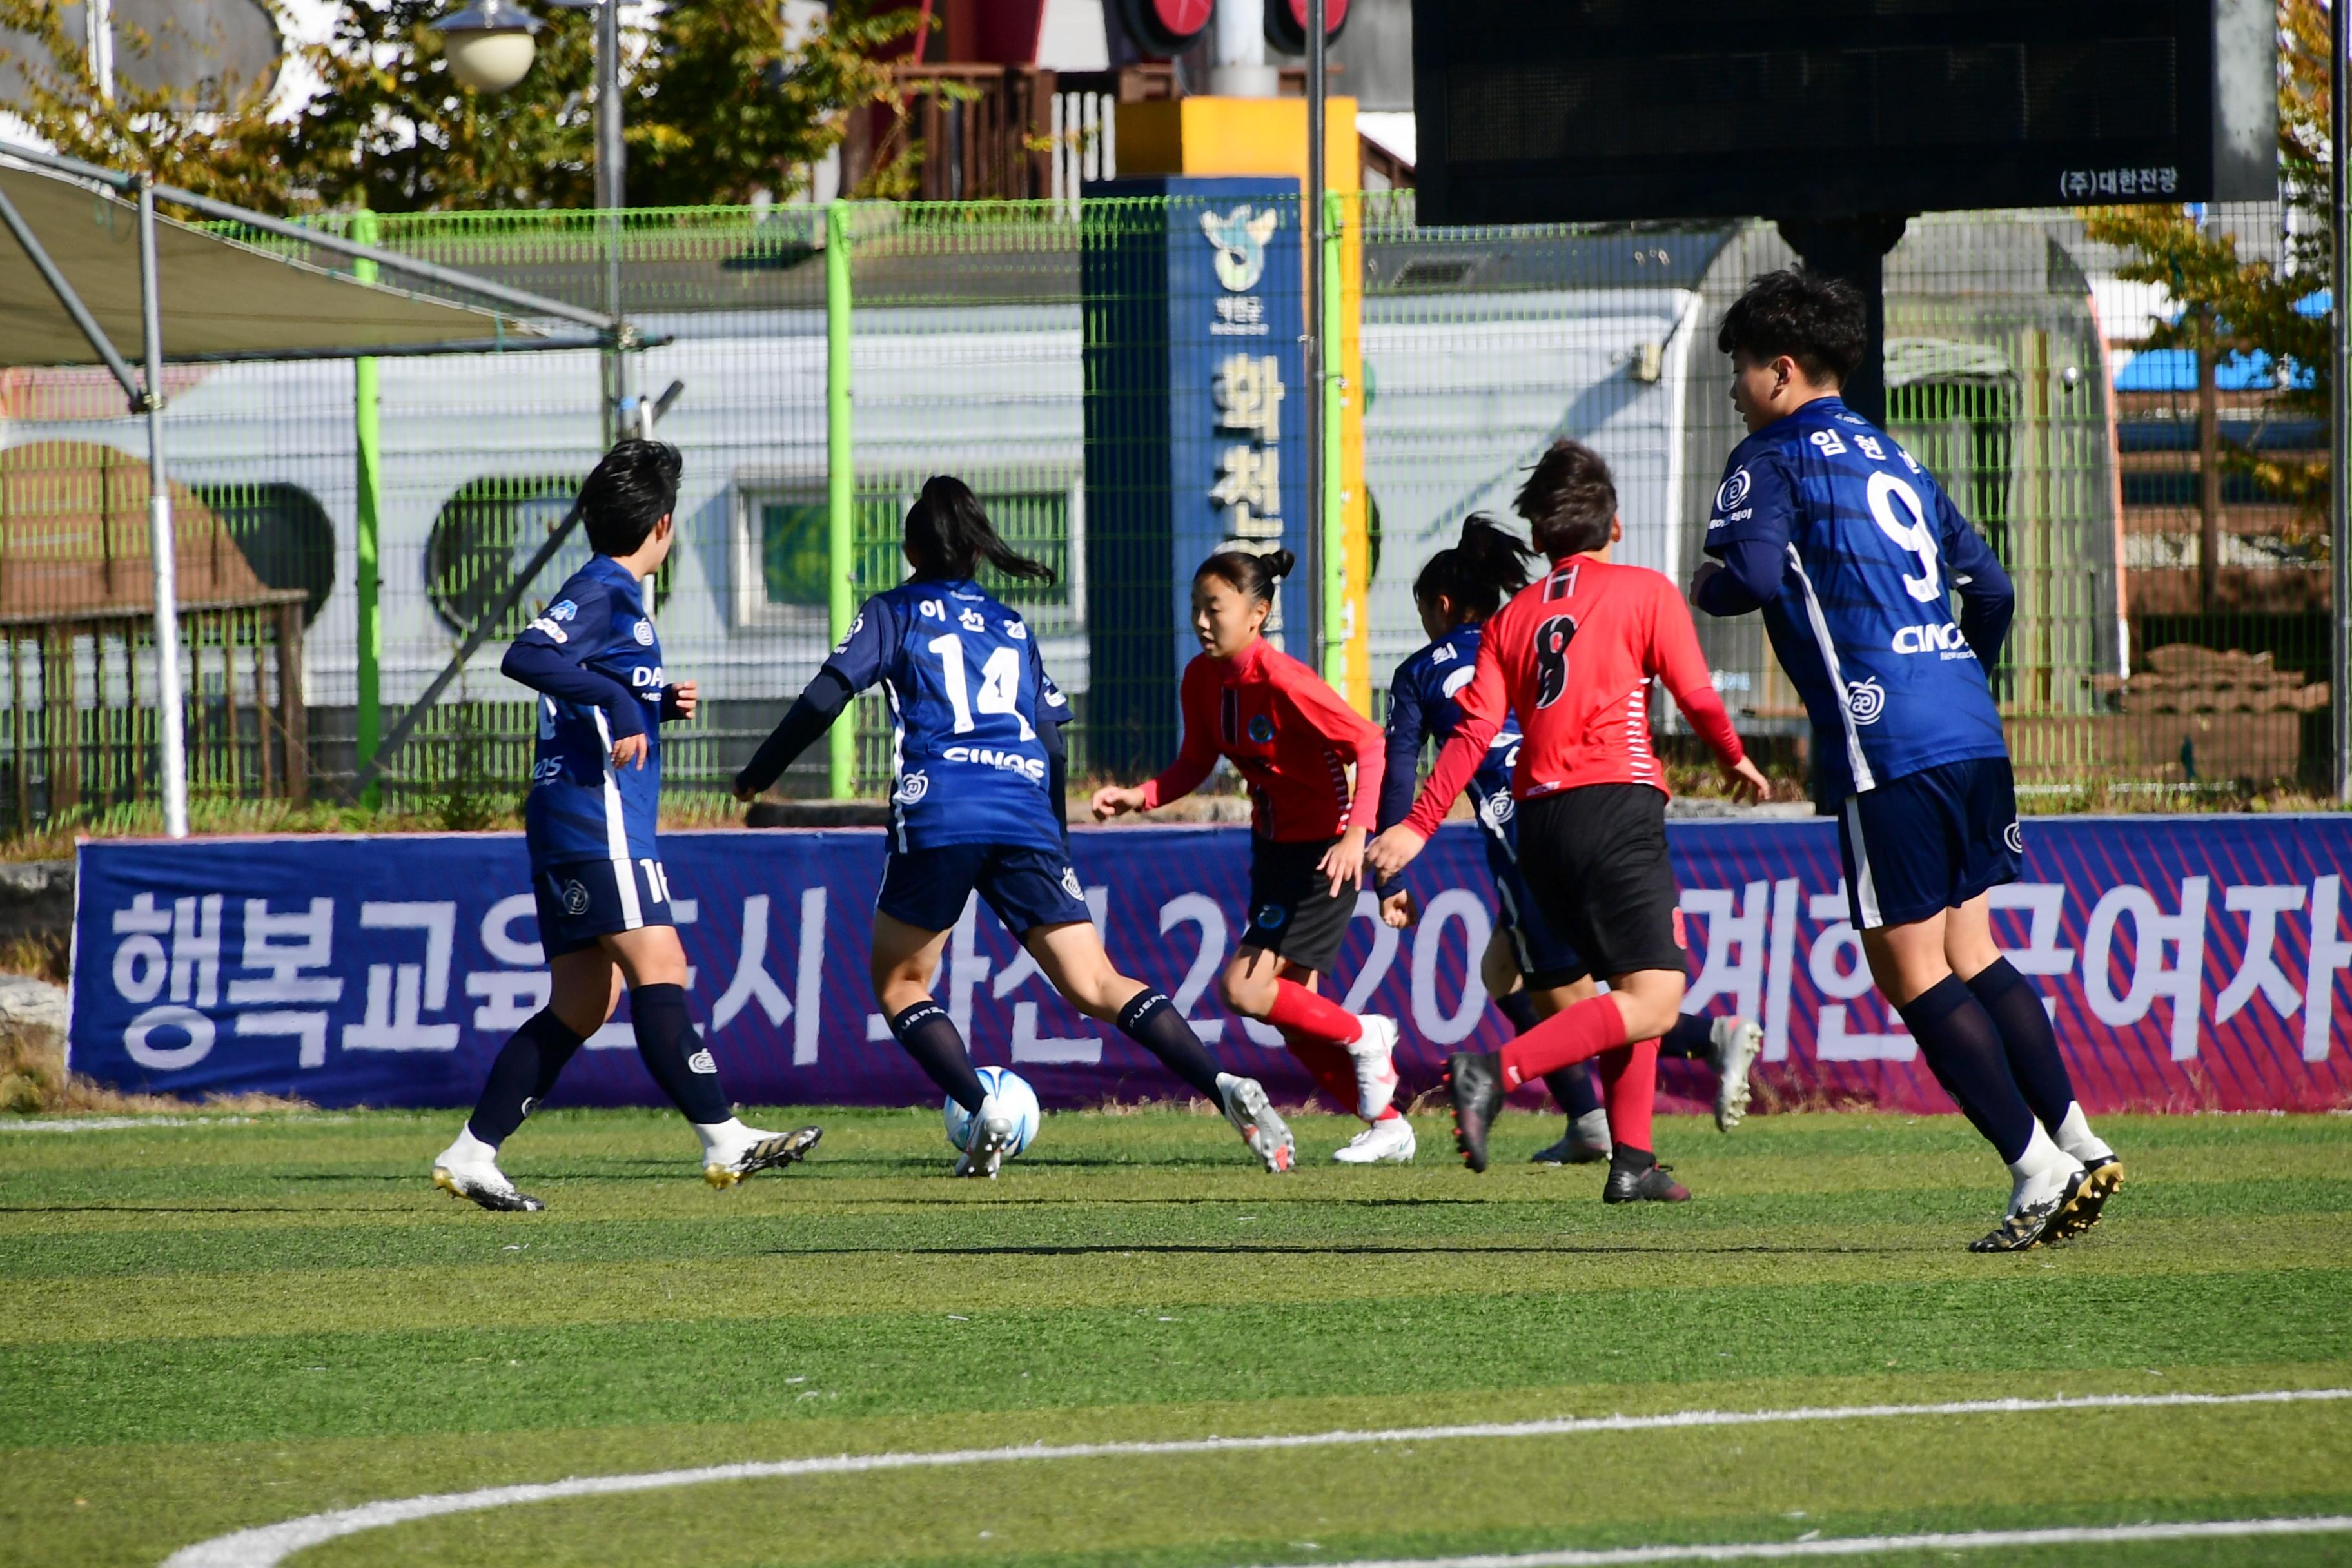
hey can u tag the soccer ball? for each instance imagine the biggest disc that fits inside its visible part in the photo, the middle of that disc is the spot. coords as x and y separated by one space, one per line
1009 1089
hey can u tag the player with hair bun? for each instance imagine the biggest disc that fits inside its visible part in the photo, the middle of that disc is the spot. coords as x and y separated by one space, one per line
1528 968
1292 738
977 805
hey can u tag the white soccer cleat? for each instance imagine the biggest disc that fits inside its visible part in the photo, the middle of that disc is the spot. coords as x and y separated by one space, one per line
756 1150
990 1140
2040 1208
1255 1118
1374 1054
480 1181
1737 1043
1389 1143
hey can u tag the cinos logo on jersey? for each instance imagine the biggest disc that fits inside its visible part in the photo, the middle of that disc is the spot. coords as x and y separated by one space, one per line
1031 768
1945 639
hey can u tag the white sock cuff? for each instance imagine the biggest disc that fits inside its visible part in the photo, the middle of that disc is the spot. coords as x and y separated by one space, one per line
714 1133
2040 1154
470 1150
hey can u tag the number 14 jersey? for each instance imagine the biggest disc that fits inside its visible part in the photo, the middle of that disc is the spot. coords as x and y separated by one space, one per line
970 698
1864 620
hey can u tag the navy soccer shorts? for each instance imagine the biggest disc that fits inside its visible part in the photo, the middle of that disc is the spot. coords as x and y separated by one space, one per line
580 901
928 888
1292 910
1930 841
1547 960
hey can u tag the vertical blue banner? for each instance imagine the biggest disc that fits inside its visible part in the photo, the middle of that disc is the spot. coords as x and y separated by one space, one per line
1196 426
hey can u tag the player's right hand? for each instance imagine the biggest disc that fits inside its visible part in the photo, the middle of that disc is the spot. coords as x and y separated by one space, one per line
629 752
1115 800
745 792
1748 782
1398 910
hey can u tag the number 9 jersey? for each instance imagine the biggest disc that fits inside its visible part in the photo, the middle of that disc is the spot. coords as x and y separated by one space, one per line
1863 622
968 699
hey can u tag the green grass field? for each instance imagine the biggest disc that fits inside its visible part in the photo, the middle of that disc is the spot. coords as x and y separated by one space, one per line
219 1325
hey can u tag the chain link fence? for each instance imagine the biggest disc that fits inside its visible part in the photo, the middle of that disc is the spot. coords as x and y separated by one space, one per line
2171 632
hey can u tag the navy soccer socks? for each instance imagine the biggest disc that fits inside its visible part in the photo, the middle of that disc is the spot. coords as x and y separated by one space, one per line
1965 1052
2015 1008
1151 1021
1692 1039
927 1034
678 1061
526 1068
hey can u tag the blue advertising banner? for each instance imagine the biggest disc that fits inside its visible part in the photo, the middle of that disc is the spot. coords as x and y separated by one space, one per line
2188 963
1196 420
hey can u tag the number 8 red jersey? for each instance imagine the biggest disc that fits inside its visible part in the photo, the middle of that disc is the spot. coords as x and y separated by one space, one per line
1573 655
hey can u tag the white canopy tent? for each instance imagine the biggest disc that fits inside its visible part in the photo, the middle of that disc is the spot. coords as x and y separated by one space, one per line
95 270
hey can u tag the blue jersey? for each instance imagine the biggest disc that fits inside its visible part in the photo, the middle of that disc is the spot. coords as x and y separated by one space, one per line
581 807
969 697
1862 621
1422 707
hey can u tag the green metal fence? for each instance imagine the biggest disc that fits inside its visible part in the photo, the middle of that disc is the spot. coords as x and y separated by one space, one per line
833 358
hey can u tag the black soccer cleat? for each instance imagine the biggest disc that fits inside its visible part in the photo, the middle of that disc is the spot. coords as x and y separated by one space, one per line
1475 1078
1651 1184
2029 1224
2102 1179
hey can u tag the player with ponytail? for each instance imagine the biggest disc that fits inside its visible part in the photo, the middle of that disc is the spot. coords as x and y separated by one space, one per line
1292 738
1528 968
977 806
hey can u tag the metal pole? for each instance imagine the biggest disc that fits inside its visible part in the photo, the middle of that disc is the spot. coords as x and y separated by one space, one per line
174 740
1333 537
612 188
2339 484
841 484
1317 568
367 437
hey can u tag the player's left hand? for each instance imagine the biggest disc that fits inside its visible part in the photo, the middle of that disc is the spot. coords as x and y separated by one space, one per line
679 700
1748 782
629 752
1706 569
1395 850
1398 910
1344 861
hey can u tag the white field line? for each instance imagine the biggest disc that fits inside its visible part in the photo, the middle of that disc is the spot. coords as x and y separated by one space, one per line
117 1124
1869 1545
267 1545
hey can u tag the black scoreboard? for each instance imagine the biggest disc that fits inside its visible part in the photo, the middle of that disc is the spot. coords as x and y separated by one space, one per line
1554 111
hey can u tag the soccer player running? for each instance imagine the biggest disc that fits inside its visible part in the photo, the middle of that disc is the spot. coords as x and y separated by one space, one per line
1529 970
1852 551
1292 738
595 869
1573 656
977 805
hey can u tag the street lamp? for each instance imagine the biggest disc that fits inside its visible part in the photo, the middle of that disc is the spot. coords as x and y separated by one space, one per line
489 46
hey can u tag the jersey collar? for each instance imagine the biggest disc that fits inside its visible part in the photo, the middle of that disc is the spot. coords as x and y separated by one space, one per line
1248 662
1818 409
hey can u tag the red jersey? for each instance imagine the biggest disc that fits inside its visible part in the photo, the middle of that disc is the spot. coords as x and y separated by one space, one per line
1285 733
1573 654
